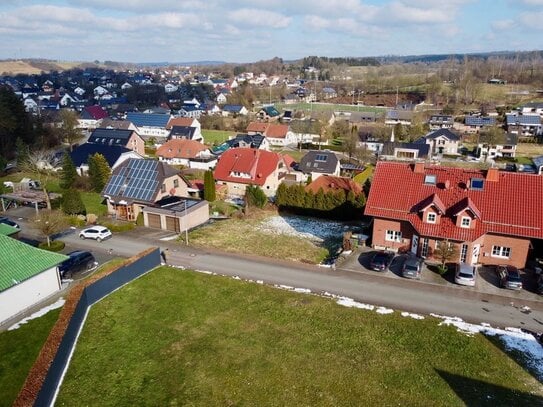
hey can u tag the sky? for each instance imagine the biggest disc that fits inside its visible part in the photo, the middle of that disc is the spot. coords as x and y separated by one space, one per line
248 31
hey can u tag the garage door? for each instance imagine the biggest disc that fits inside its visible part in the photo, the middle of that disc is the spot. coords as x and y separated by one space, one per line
154 220
172 224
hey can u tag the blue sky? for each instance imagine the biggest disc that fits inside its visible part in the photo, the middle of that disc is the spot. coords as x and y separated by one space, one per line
245 31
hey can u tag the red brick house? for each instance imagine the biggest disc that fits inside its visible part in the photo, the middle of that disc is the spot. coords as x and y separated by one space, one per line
490 215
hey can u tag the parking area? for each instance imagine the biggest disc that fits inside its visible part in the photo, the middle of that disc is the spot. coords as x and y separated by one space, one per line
486 282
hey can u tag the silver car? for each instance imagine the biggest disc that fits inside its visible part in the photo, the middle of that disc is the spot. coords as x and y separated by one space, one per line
412 267
465 274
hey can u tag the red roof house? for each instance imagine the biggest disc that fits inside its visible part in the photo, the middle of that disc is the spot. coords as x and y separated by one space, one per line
489 215
239 167
277 134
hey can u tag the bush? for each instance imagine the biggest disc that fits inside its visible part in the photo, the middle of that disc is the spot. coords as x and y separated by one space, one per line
77 221
72 204
139 219
442 269
56 246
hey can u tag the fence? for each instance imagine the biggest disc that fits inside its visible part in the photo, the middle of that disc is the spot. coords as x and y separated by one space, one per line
42 384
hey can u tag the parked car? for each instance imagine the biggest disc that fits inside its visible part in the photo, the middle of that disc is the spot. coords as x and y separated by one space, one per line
412 267
9 222
97 233
78 261
509 277
465 274
381 260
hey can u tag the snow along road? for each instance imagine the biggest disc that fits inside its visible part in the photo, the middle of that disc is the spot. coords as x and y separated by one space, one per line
402 295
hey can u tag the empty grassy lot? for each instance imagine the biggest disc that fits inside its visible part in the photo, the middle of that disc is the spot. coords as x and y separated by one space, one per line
176 337
332 107
243 236
217 136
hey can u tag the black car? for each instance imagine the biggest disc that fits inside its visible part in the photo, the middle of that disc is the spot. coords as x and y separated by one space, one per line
78 261
9 222
509 277
381 260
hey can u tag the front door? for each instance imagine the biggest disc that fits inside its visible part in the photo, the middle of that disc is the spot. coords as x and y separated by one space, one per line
475 254
414 244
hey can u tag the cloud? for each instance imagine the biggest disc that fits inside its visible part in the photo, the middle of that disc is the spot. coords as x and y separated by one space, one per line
259 18
502 25
535 3
532 20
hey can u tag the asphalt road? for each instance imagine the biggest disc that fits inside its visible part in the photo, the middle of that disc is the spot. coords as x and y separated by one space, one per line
402 295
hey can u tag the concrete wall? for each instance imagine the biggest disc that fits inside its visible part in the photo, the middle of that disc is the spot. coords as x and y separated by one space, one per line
27 293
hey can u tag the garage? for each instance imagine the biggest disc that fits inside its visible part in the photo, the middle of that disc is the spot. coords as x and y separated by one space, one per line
154 220
172 224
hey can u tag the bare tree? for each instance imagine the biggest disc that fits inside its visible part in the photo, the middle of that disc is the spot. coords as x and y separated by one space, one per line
68 131
49 223
42 166
445 252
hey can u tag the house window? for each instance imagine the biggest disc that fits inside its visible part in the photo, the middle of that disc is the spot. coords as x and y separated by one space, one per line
464 253
431 218
393 236
466 222
424 250
163 188
501 251
175 183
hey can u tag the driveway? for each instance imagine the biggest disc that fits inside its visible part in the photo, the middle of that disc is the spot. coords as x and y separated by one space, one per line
487 281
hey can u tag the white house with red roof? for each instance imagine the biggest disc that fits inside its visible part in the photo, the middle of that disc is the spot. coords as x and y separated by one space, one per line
239 167
277 134
489 215
91 117
187 122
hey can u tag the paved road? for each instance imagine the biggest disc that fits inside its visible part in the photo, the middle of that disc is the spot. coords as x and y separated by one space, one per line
405 295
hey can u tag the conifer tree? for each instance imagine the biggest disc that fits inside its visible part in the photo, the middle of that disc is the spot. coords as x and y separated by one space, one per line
209 187
72 204
99 172
68 174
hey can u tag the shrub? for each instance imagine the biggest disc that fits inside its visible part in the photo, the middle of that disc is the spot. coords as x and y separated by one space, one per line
56 246
72 204
442 269
139 219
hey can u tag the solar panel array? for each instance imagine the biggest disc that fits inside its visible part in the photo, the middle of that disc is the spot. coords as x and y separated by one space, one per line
137 180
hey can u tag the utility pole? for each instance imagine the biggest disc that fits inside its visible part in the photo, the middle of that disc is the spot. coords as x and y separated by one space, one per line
186 225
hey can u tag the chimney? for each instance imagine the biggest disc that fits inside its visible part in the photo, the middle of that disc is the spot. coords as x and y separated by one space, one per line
447 184
419 167
492 174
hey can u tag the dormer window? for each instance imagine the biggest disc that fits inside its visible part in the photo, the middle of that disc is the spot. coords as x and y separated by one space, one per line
431 217
465 222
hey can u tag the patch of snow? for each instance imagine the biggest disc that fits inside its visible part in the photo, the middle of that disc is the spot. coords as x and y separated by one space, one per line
206 272
302 290
324 265
310 228
236 277
168 238
259 281
59 303
384 311
350 303
410 315
512 338
284 287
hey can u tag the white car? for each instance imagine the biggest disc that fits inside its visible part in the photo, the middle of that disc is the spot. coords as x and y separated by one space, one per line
465 274
97 233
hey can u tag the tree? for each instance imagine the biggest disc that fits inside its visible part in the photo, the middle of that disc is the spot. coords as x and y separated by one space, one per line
339 129
490 138
72 204
68 131
281 195
398 131
41 165
209 186
22 152
350 144
445 251
68 174
50 222
254 196
99 172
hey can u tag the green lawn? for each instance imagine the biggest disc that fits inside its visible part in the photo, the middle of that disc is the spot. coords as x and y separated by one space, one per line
18 349
93 203
177 337
328 107
216 136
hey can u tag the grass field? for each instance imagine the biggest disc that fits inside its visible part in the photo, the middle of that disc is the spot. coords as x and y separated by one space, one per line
93 203
324 107
243 236
19 348
176 337
216 136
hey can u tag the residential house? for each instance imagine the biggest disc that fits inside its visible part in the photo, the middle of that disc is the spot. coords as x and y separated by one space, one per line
405 151
506 149
442 141
192 111
126 86
256 141
185 132
150 124
524 125
538 164
221 99
28 276
328 93
473 124
186 122
361 118
183 151
117 137
68 100
135 184
417 207
31 106
440 121
404 117
533 108
316 163
170 88
280 135
239 167
367 140
114 155
267 113
109 123
234 110
91 117
256 128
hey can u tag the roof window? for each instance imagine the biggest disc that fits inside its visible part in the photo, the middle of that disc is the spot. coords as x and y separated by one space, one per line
430 179
321 157
477 184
